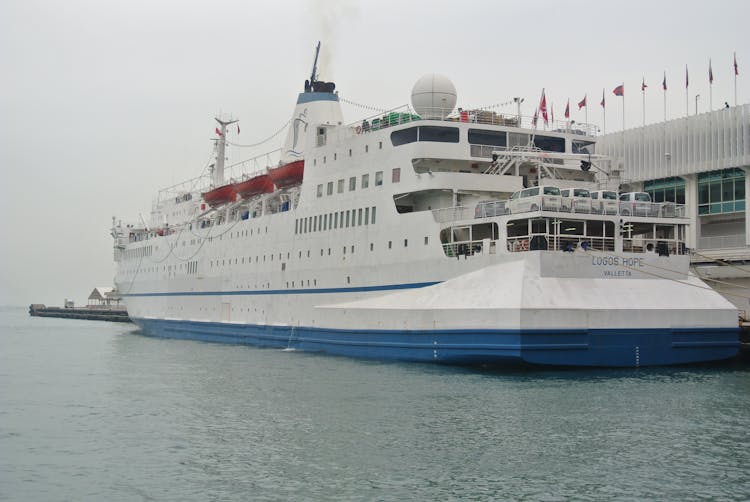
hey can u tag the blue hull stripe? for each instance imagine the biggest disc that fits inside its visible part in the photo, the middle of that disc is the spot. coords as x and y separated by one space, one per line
596 347
258 292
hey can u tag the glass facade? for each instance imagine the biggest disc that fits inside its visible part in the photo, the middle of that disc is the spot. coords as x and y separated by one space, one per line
666 190
721 191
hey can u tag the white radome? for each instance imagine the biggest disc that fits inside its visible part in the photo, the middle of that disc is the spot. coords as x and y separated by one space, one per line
433 96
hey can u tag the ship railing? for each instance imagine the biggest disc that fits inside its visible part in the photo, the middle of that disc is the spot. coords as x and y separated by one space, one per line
450 214
488 209
458 249
557 242
652 209
482 116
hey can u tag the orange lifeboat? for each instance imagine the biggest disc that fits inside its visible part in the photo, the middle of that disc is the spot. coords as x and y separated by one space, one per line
288 174
220 195
254 186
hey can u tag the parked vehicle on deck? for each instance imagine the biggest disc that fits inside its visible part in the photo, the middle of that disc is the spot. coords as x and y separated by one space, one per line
576 200
546 198
604 202
635 204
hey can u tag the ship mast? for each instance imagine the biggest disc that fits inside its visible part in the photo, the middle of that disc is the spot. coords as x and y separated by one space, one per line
219 167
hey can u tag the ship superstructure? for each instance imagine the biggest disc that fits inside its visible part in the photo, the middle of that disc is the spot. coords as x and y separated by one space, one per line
397 237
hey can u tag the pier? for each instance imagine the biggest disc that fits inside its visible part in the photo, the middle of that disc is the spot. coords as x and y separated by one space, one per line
117 314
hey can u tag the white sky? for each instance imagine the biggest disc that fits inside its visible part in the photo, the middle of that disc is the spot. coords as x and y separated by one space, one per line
104 102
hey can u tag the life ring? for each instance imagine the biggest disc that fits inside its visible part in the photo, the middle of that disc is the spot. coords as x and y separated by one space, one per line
358 129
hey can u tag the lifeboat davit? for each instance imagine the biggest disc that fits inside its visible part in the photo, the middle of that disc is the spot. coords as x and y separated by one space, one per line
220 195
288 174
254 186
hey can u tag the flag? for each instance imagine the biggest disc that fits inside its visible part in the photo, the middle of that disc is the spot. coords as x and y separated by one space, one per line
710 73
582 103
664 82
643 85
687 82
552 112
238 128
218 132
619 90
567 109
543 108
602 103
536 117
736 70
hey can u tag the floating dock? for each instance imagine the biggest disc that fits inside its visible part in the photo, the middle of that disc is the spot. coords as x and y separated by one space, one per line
88 313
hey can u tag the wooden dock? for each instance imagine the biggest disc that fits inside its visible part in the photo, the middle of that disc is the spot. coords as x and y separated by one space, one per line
88 313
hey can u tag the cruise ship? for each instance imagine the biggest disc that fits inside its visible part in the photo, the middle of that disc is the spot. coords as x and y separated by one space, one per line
424 233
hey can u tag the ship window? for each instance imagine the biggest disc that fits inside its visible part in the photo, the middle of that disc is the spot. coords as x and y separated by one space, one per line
365 180
485 137
367 148
344 249
321 251
438 134
320 190
315 162
380 145
359 217
329 251
396 175
549 144
348 279
336 220
367 216
426 240
329 188
404 136
335 156
340 188
352 183
378 178
373 215
325 222
324 159
315 224
350 152
347 219
372 246
296 225
390 244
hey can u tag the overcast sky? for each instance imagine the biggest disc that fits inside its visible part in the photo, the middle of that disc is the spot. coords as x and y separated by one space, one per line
103 102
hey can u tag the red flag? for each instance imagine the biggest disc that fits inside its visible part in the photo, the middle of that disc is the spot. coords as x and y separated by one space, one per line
582 103
643 85
602 103
218 132
736 70
567 109
619 90
543 108
687 82
238 128
664 82
710 73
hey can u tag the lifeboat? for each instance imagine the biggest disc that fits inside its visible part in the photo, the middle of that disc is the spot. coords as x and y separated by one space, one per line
288 174
254 186
220 195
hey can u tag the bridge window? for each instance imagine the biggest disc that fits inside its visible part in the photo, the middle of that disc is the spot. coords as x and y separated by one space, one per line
425 133
549 143
485 137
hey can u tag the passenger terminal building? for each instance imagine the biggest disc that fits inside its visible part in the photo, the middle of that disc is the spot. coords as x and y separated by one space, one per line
702 161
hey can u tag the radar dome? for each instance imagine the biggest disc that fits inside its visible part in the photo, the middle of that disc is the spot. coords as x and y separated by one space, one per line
433 96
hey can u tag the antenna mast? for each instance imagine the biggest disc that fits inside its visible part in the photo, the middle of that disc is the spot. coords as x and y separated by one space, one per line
314 75
221 147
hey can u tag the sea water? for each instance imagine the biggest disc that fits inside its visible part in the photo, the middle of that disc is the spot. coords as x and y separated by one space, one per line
98 411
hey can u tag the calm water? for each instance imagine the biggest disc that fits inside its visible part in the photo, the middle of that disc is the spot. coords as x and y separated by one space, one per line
96 411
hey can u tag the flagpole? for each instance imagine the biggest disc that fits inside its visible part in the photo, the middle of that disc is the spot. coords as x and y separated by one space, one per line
586 97
687 106
735 79
643 91
710 87
623 109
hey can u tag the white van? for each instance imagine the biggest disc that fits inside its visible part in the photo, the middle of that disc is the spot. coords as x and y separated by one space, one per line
576 200
604 201
546 198
635 204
